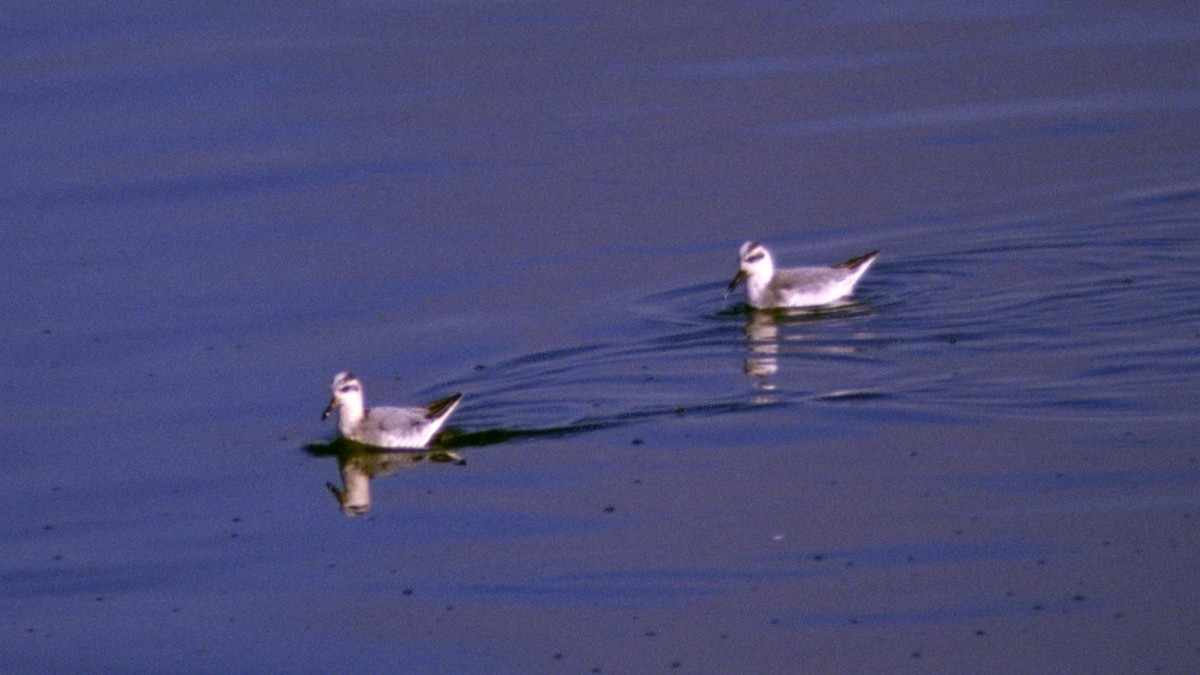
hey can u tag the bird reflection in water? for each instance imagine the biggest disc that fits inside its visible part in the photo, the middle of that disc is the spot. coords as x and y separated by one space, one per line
359 464
793 334
762 357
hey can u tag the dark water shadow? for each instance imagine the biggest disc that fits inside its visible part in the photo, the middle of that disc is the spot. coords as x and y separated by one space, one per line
452 439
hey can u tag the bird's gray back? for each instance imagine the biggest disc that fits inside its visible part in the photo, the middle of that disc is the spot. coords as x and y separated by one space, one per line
393 419
807 277
396 427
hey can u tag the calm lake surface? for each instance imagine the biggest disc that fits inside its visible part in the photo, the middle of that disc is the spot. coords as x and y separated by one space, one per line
987 462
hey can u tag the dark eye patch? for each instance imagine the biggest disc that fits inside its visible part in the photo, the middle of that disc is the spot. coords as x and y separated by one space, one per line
755 257
347 388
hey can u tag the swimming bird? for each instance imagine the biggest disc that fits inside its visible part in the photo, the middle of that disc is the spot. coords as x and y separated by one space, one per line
769 288
385 427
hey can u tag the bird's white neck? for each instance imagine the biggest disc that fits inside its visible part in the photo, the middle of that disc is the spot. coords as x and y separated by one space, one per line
350 414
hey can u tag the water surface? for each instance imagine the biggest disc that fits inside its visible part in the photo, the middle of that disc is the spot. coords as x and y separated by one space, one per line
985 462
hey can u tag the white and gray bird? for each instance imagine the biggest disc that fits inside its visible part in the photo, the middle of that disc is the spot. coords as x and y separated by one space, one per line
770 288
385 427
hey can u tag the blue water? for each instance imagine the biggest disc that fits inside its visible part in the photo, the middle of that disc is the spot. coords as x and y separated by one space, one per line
984 463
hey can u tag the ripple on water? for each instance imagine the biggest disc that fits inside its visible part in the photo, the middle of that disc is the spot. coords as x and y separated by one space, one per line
1075 316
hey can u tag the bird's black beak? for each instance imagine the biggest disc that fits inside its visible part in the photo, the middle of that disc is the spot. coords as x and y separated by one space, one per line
741 276
333 404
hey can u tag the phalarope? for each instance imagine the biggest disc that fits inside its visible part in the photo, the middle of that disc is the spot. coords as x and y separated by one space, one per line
768 288
385 427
